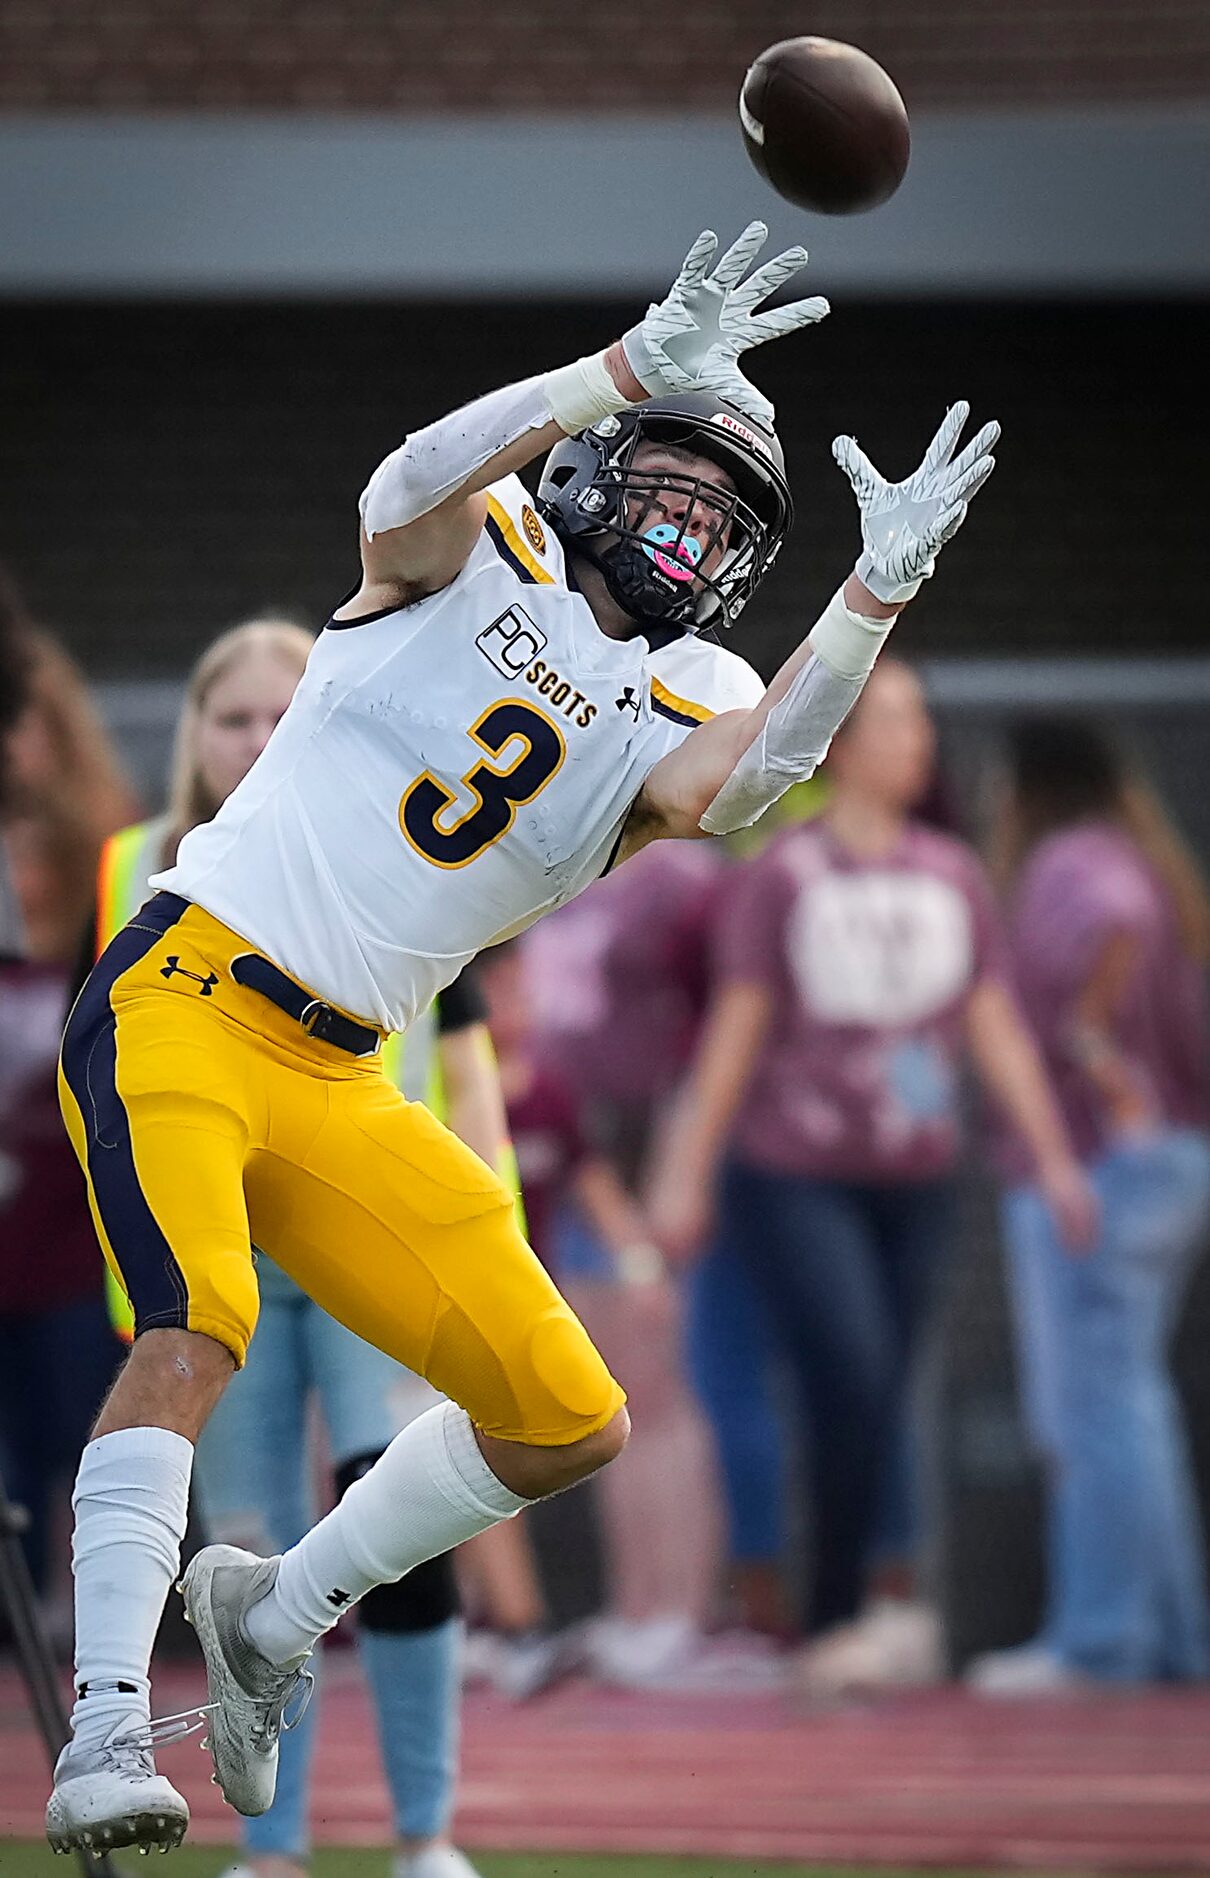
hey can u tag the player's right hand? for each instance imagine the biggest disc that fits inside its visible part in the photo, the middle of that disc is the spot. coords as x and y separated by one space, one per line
692 339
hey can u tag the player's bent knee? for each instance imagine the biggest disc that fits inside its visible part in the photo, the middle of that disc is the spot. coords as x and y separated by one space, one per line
534 1472
524 1368
569 1395
608 1442
588 1455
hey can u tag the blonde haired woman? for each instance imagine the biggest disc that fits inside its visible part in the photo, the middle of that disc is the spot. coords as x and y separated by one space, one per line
251 1468
236 693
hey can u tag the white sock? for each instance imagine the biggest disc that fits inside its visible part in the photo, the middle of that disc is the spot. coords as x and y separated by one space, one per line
131 1501
430 1490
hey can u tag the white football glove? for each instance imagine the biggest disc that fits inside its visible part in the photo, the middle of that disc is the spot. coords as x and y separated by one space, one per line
904 524
692 339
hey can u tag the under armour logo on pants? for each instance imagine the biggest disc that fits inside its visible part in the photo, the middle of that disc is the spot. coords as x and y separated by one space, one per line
174 968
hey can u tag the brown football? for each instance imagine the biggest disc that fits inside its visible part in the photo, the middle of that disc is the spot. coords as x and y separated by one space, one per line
825 125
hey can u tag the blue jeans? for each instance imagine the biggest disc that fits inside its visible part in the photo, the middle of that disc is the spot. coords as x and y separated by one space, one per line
831 1279
1127 1589
729 1352
253 1476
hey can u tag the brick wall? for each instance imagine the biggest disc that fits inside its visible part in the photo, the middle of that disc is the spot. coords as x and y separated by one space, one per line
112 55
164 469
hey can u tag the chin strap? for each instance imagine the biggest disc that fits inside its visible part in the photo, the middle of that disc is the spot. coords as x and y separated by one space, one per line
624 571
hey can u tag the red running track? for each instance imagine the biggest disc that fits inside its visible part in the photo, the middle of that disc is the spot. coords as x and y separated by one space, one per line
1118 1782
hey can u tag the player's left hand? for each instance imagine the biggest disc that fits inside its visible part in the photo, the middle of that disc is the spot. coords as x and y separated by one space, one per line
692 339
903 525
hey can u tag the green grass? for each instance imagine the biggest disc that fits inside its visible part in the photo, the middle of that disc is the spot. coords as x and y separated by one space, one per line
22 1858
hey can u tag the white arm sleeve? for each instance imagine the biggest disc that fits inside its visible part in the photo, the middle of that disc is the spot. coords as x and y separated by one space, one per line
435 462
795 736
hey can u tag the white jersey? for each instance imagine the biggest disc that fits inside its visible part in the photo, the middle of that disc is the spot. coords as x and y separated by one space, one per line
446 773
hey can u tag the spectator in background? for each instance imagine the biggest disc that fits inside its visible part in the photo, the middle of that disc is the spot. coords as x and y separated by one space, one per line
617 984
58 750
657 1513
1110 933
57 1351
858 961
252 1467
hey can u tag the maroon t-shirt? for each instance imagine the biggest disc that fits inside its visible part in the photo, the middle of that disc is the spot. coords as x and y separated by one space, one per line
544 1121
618 978
870 963
1077 889
48 1250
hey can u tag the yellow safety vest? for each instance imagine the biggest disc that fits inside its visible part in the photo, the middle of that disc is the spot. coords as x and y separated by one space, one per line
127 861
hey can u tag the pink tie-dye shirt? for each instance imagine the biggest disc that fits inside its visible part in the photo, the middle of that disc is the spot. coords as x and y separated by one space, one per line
1077 889
871 964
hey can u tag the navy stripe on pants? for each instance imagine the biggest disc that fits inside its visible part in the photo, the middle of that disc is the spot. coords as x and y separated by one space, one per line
153 1279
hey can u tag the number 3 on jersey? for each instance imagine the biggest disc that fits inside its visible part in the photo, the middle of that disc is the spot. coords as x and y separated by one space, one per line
499 791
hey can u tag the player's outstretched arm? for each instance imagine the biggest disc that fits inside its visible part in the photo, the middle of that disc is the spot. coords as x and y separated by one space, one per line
423 507
729 771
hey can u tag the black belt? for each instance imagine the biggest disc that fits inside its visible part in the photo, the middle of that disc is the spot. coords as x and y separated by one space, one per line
317 1018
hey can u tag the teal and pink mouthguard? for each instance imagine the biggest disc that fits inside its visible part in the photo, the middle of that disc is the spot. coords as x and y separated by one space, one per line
688 550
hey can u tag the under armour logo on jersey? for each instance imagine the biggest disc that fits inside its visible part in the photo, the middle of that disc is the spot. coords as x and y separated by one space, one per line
174 969
629 701
339 1598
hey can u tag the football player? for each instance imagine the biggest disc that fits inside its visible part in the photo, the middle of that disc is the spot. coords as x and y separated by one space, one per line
518 696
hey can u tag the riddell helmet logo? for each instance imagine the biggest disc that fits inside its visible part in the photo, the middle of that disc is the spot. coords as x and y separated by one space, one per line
533 529
727 422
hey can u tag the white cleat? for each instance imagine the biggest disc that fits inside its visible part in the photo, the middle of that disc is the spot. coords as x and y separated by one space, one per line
111 1796
248 1693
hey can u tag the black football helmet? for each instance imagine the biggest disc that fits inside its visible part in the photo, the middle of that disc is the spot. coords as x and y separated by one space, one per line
634 524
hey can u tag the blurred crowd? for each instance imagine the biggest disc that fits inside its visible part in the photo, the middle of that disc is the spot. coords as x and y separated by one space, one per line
740 1086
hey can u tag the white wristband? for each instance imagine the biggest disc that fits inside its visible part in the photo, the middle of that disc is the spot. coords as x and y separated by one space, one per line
847 642
582 393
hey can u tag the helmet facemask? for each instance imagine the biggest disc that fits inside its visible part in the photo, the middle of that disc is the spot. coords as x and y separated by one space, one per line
623 517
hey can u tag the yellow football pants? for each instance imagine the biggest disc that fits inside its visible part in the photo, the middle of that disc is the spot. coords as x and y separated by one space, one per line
207 1121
